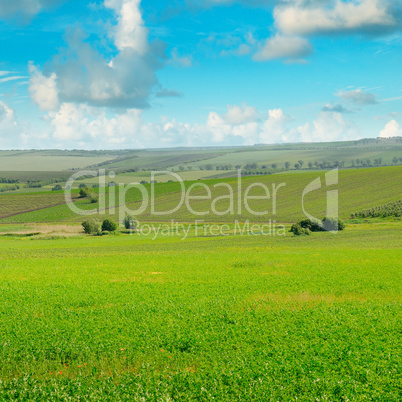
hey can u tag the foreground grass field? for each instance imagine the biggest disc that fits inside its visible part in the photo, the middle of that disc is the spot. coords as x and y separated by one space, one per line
226 318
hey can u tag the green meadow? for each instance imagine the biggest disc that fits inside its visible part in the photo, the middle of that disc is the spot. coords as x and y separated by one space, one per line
358 189
207 315
267 318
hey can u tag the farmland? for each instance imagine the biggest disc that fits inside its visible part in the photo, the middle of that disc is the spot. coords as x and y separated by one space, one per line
358 189
233 316
228 318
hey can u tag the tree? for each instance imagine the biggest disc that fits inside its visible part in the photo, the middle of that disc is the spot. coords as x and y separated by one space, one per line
395 160
57 187
84 192
108 225
130 223
182 168
91 227
238 167
287 165
297 166
333 224
301 163
94 198
274 165
297 230
82 185
310 165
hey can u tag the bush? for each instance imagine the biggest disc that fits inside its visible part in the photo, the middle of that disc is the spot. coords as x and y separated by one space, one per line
84 192
310 225
108 225
91 227
333 224
94 198
328 224
130 223
298 230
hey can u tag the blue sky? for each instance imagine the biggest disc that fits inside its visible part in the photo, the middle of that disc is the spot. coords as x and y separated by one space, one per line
139 74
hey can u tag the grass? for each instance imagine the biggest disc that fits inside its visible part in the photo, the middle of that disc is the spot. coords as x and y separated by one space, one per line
280 155
229 318
42 161
358 189
137 177
14 204
265 318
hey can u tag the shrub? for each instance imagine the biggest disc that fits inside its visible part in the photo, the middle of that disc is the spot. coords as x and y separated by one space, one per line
84 192
108 225
333 224
298 230
91 227
94 198
328 224
310 225
130 222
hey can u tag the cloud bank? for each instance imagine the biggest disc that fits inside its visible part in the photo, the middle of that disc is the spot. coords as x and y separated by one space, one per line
81 74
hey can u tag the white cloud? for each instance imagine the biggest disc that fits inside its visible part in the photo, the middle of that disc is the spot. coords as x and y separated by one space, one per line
14 78
93 128
353 16
284 47
274 128
358 97
240 122
240 114
90 127
392 129
6 114
84 75
130 31
9 130
43 90
295 19
87 125
329 126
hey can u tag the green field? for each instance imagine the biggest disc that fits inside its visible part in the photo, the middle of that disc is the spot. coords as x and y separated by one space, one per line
358 189
226 318
207 315
45 161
